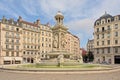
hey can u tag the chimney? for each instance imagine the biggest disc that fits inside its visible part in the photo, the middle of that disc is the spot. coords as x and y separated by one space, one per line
3 19
38 22
11 20
19 19
48 24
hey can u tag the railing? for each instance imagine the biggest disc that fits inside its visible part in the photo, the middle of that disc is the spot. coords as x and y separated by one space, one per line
6 29
104 31
9 36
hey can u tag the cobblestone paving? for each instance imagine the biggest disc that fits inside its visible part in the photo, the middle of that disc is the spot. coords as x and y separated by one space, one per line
63 76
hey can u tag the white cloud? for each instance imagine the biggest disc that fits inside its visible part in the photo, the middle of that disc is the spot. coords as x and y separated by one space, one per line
79 14
68 7
81 25
110 6
30 7
83 28
8 9
74 10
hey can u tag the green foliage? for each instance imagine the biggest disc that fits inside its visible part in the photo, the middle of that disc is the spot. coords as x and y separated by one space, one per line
88 57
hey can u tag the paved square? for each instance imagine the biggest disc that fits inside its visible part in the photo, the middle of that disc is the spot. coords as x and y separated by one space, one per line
41 76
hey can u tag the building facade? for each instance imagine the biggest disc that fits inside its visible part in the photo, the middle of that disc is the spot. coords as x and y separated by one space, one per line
26 42
10 42
90 46
107 39
72 45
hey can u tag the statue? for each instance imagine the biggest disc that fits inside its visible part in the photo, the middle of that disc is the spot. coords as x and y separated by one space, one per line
55 44
63 43
55 41
60 60
37 59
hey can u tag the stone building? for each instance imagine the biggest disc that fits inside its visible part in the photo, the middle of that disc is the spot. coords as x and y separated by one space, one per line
107 39
10 42
72 45
31 40
26 42
64 43
90 46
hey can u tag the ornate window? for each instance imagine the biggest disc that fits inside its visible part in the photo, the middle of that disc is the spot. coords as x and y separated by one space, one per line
109 50
17 53
116 34
116 26
7 53
24 52
97 23
17 35
97 43
97 51
12 53
98 36
103 29
116 50
7 39
102 42
7 26
42 38
17 47
42 44
116 18
116 41
7 34
108 42
108 20
7 46
108 27
12 27
102 35
42 33
17 29
103 21
17 41
103 50
108 35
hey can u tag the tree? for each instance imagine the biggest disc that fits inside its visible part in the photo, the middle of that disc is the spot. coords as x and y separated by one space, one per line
90 56
85 57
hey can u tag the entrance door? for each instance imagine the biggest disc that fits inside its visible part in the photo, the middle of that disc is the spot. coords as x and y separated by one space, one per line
117 59
32 60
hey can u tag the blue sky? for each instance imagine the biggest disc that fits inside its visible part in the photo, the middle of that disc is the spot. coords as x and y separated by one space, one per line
80 15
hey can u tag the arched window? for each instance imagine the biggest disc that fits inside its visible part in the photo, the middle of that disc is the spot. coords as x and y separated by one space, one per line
108 20
103 58
103 21
59 19
97 23
116 18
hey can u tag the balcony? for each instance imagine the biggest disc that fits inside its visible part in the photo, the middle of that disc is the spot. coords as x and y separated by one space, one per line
17 37
14 43
10 36
6 29
108 30
104 31
10 49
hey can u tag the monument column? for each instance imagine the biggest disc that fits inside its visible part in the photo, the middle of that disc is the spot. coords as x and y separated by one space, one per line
59 32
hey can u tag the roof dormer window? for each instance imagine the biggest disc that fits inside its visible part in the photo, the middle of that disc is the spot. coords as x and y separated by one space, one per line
116 18
97 23
103 21
108 20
